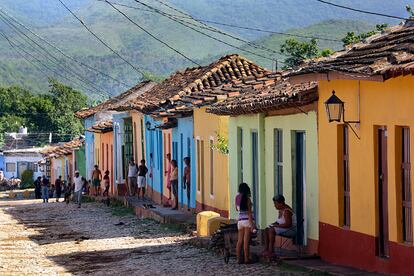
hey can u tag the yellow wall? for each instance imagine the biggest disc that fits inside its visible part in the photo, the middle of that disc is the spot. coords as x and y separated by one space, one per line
139 138
206 127
389 104
97 151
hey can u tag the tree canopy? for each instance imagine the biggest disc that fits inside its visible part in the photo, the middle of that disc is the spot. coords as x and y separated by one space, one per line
49 112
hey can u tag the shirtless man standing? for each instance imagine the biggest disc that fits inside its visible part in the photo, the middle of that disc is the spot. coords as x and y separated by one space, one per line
96 179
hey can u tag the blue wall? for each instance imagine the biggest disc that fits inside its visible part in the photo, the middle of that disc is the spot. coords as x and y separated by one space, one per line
89 147
183 146
154 145
2 162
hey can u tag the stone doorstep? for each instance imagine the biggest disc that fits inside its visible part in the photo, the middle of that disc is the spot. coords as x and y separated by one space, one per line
159 213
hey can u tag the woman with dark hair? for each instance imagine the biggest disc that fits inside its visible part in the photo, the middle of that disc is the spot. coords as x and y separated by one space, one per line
245 224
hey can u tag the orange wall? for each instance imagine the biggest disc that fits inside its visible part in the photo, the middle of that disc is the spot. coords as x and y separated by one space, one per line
389 104
106 156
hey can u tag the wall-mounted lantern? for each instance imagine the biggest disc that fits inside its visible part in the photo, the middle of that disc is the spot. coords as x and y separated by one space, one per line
148 125
335 110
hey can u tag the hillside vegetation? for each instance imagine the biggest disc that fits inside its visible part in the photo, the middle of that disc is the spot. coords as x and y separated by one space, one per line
50 20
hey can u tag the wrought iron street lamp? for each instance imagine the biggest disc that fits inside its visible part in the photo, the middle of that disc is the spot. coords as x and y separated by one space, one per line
335 109
148 125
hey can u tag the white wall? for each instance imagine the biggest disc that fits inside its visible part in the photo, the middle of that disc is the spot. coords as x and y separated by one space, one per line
35 158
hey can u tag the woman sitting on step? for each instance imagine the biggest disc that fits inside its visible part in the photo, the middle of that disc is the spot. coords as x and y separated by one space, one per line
285 225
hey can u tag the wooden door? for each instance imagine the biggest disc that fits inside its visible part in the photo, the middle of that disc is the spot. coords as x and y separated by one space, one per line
299 186
255 174
406 187
383 246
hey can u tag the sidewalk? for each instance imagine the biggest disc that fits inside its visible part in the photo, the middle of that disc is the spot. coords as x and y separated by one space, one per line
166 215
159 213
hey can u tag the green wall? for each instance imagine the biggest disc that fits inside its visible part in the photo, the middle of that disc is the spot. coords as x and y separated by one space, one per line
289 124
248 124
265 127
81 161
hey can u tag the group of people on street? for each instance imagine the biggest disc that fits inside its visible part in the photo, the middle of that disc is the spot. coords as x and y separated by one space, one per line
285 224
172 179
137 178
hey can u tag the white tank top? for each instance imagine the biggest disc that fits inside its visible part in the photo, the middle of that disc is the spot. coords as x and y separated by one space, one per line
282 219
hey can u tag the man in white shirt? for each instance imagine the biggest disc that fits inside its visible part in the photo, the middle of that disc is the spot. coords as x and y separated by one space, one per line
78 182
132 177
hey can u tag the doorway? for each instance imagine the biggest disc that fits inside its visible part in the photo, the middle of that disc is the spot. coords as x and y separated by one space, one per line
382 176
299 182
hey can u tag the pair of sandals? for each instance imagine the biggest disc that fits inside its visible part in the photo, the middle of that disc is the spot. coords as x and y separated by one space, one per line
148 206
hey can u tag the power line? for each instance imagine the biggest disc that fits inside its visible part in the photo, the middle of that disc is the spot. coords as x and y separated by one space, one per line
362 11
61 51
227 24
213 29
100 40
55 60
14 46
150 34
212 37
28 61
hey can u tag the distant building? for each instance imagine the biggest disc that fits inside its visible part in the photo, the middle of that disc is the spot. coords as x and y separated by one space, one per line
15 162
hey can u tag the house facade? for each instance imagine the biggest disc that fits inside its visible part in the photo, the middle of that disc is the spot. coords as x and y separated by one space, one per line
15 162
365 185
211 162
175 98
273 148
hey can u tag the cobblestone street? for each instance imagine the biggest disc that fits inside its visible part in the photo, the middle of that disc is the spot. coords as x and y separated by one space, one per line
55 238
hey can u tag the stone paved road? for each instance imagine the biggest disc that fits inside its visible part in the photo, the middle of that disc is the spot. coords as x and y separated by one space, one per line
60 239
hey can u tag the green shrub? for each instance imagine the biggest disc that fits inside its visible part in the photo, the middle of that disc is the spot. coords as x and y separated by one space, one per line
27 179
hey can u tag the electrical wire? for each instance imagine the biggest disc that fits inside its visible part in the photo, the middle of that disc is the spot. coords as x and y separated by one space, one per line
153 36
61 51
100 40
212 37
14 46
52 58
226 24
213 29
362 11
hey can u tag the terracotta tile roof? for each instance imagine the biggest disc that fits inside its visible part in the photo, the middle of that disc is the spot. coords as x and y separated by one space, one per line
279 95
63 149
195 80
102 127
181 106
116 101
390 54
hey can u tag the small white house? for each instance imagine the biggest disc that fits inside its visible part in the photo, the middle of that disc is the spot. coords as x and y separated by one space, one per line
19 160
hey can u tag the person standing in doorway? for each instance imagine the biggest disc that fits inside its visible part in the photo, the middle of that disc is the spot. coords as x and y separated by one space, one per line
78 187
168 175
58 187
142 178
45 189
96 179
132 177
38 187
174 182
187 180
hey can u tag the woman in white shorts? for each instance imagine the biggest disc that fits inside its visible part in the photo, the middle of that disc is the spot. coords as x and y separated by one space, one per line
245 224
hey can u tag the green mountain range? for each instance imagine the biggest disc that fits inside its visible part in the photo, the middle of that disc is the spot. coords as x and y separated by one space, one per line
49 19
